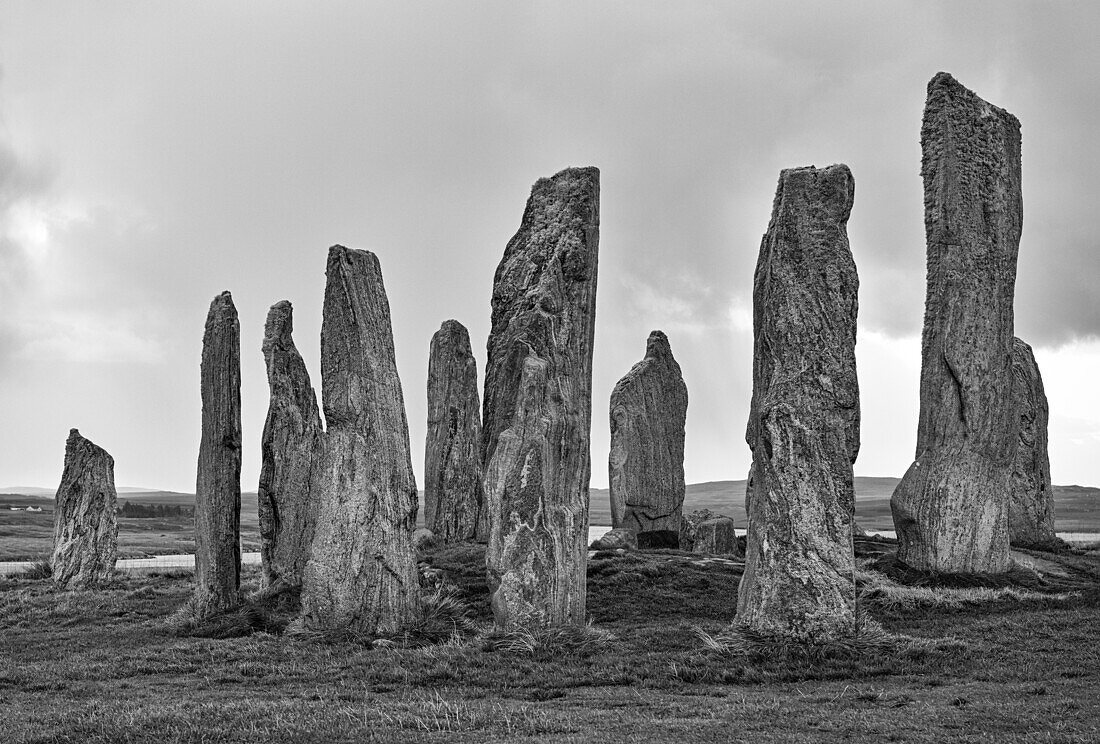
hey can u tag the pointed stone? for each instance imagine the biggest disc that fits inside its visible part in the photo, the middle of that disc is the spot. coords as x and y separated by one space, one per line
538 406
950 509
85 541
1031 508
361 575
646 461
290 449
453 495
804 417
218 485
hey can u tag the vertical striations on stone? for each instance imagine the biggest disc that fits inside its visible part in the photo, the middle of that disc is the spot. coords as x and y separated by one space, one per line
453 495
218 485
951 509
538 406
646 461
804 417
290 448
1031 505
85 537
361 575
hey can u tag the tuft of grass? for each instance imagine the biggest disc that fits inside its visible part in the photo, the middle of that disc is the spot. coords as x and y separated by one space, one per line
579 642
38 570
241 621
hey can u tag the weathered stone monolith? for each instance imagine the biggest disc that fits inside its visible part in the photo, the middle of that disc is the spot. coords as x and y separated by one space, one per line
85 531
290 449
1031 507
646 462
538 406
218 485
804 417
717 536
453 494
951 507
361 575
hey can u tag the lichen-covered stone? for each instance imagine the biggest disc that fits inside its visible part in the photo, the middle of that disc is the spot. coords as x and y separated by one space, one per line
85 537
804 417
689 525
361 575
619 538
538 406
717 536
646 461
1031 505
453 495
290 448
218 484
951 507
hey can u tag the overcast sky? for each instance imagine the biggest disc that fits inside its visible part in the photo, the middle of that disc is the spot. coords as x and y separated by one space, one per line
155 154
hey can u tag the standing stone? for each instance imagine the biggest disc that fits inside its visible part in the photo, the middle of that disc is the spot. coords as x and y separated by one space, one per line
717 536
646 462
218 485
538 406
1031 506
85 531
804 417
290 448
951 507
453 494
361 575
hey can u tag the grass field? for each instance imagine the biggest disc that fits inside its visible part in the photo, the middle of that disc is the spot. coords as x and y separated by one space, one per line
981 665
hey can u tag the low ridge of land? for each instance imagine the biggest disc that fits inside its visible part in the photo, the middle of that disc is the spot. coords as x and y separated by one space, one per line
29 535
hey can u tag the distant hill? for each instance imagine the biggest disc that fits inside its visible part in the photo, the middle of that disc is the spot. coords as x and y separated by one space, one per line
1077 507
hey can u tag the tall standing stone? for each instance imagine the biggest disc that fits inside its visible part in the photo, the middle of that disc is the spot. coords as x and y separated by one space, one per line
804 417
218 485
538 406
453 495
361 575
646 462
1031 504
951 507
85 537
290 448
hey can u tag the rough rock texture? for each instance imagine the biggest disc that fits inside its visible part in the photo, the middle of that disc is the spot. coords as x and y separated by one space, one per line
85 534
950 509
362 572
291 445
1031 505
804 417
453 493
646 462
716 536
218 485
538 406
689 525
619 538
423 539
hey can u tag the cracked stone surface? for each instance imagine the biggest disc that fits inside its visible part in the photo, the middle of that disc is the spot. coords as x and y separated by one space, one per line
803 425
1031 505
453 493
362 574
646 461
85 538
290 449
538 406
950 509
218 484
